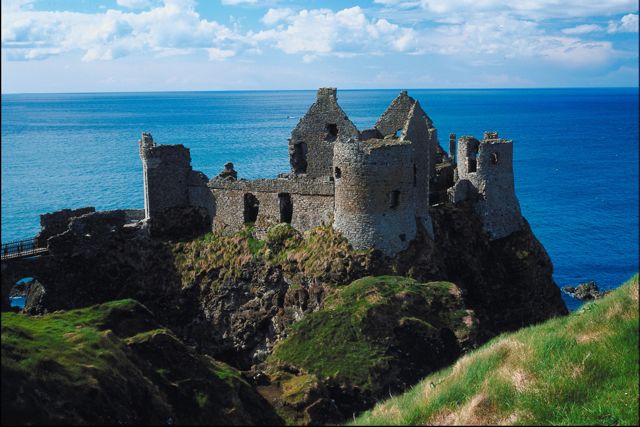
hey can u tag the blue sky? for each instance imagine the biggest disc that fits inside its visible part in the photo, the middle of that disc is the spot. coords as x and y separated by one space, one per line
156 45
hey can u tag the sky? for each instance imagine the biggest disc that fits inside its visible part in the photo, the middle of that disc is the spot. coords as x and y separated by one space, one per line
177 45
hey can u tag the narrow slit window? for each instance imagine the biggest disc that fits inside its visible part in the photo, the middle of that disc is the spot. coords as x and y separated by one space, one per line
394 199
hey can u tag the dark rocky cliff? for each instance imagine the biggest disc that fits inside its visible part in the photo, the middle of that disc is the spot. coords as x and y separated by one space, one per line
236 297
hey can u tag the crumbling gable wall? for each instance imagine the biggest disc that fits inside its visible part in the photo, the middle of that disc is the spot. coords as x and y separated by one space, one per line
416 131
405 118
485 175
312 140
375 202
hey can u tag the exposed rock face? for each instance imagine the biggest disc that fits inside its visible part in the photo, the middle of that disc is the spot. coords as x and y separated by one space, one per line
236 297
584 291
113 364
373 337
507 282
179 223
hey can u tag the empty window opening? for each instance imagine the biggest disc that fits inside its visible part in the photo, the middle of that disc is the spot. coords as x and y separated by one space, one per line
394 199
398 133
415 176
251 208
332 132
299 157
494 158
403 237
472 162
286 207
338 173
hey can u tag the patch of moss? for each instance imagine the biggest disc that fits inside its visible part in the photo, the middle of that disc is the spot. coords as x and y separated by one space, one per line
296 389
349 338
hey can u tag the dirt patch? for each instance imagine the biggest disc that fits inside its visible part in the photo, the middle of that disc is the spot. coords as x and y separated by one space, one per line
591 336
477 411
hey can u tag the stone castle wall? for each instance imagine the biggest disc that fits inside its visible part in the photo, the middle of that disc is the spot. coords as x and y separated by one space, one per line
170 183
375 196
57 222
485 175
303 202
312 140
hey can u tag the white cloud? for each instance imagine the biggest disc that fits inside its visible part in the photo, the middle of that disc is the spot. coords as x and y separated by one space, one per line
529 9
174 27
583 29
344 33
163 30
134 4
274 15
627 24
237 2
508 38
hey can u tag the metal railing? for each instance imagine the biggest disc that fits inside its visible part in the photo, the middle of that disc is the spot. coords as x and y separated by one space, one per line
21 248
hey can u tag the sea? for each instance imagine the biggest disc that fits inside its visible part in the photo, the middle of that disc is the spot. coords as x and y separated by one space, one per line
575 155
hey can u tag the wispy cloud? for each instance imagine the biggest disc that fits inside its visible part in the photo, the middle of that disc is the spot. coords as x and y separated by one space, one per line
583 29
530 9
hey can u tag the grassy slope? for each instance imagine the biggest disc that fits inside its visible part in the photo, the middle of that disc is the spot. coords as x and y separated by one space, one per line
111 363
580 369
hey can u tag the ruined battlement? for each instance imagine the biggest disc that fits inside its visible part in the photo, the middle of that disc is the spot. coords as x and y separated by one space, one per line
169 180
376 185
485 175
294 185
330 92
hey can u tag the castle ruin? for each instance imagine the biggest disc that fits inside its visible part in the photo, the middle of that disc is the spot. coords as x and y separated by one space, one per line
376 185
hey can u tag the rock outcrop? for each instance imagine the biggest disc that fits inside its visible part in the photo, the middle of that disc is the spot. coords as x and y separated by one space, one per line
236 297
114 364
375 336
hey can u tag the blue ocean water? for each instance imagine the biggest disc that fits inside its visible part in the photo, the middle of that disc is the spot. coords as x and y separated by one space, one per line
576 154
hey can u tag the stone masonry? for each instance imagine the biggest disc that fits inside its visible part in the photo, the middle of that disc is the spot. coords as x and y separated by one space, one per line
485 175
376 184
169 180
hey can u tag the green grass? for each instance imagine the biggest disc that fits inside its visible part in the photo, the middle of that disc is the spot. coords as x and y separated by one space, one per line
72 339
346 340
113 364
321 253
581 369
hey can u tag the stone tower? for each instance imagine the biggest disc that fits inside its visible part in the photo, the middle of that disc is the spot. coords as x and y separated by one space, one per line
166 169
312 140
375 200
485 175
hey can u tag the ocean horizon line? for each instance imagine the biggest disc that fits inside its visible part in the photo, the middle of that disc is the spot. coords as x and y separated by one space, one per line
340 89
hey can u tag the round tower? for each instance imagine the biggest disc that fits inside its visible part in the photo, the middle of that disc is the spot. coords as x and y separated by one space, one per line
375 205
